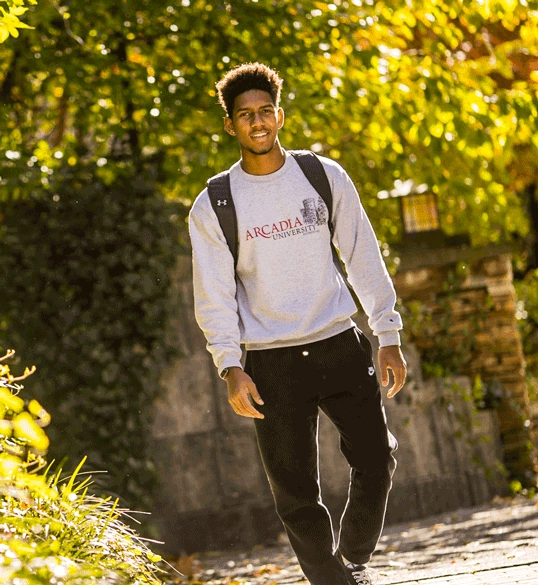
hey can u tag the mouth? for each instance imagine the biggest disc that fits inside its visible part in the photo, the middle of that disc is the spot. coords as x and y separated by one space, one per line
259 135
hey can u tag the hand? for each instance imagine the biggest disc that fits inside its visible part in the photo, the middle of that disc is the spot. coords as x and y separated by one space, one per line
240 387
391 358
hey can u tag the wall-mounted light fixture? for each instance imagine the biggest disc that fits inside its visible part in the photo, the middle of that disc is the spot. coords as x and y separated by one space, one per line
419 215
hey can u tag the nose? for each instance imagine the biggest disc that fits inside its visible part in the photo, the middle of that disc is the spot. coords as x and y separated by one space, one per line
256 119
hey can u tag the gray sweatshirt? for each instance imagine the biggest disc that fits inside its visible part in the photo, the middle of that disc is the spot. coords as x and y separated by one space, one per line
288 290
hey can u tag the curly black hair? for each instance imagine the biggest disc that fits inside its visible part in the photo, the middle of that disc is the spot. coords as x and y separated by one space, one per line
244 78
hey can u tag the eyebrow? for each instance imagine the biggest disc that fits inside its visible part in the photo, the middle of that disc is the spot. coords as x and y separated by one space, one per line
268 105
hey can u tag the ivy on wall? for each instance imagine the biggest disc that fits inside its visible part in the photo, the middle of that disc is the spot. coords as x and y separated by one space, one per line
447 342
86 270
527 315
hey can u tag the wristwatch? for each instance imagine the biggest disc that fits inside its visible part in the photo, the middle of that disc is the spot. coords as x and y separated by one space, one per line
226 371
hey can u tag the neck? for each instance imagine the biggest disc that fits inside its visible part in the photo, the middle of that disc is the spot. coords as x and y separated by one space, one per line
263 164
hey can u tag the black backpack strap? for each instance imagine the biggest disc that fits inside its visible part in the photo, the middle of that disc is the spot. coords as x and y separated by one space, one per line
220 195
313 170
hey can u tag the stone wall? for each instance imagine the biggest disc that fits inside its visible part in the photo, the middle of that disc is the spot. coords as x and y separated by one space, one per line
448 452
481 307
213 491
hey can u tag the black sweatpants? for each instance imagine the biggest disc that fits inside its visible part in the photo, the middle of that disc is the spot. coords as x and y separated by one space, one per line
338 376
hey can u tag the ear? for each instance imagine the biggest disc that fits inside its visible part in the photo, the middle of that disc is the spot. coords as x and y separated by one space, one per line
229 126
280 117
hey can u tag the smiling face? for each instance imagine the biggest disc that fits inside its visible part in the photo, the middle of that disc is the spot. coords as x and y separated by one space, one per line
255 122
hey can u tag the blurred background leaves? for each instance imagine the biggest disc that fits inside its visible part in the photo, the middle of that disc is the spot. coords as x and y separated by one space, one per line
109 128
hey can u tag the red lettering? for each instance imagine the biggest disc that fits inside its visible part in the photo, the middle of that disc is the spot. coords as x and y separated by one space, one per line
267 230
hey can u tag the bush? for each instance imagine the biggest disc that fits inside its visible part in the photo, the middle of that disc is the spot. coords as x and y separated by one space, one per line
86 300
52 530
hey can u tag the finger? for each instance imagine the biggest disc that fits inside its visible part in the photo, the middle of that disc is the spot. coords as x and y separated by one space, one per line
401 377
241 410
399 381
238 405
255 395
396 387
251 412
248 409
393 391
384 375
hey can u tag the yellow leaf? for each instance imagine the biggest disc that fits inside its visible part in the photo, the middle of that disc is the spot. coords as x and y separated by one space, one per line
25 428
9 465
6 428
17 10
38 411
437 130
13 403
413 133
139 115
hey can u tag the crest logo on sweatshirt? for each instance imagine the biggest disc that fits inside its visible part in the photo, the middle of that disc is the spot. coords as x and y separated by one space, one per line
313 215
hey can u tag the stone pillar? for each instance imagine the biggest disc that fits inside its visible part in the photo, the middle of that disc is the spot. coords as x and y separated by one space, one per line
477 311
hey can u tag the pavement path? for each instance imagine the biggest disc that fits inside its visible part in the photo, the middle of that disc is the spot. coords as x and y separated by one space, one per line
489 545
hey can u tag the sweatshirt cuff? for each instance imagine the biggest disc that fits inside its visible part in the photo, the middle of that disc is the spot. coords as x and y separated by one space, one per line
389 338
233 363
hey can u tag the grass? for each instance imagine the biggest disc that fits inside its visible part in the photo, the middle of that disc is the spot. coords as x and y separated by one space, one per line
53 531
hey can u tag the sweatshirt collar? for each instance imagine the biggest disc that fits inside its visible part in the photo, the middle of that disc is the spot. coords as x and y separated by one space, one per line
237 171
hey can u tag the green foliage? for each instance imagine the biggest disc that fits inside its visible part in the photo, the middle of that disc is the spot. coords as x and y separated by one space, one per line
448 345
86 300
22 440
443 353
52 530
440 93
73 537
443 94
515 486
9 19
527 315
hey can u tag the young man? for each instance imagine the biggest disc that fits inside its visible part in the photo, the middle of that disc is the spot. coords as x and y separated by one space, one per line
287 302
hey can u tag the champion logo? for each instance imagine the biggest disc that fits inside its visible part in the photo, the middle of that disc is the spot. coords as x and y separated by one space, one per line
371 370
222 202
